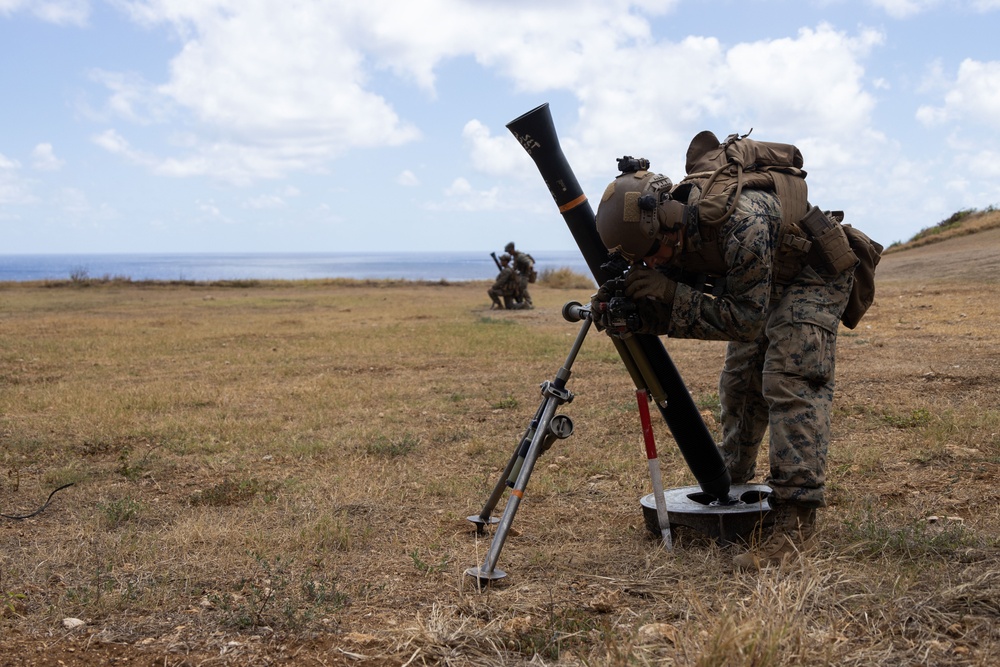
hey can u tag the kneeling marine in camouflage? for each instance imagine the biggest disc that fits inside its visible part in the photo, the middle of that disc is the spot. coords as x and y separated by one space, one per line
506 287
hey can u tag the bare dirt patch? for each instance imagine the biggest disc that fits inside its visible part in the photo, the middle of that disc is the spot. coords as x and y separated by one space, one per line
974 258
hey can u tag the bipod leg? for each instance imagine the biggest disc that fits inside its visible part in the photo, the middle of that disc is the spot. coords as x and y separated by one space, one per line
484 518
550 426
488 571
654 469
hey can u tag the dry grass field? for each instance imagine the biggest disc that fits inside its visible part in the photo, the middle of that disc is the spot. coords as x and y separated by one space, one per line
279 473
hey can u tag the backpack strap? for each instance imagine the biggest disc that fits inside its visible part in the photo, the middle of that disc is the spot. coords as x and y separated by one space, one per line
735 197
793 194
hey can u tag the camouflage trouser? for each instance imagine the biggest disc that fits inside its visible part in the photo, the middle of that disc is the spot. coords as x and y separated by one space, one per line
509 301
524 291
495 295
784 380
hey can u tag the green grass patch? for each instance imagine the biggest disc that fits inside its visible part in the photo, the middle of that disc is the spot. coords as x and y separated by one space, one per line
235 492
386 447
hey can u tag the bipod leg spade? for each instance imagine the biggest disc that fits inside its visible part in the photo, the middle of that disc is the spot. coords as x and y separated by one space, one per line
550 426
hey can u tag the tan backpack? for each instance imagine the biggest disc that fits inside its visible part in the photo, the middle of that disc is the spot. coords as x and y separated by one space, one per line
863 293
722 170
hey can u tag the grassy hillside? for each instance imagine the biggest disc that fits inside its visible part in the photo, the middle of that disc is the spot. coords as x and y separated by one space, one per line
961 223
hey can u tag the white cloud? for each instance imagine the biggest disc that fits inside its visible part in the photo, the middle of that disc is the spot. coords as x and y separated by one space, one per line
7 164
460 187
267 87
76 206
132 98
813 81
259 109
931 115
43 158
901 9
650 97
904 9
13 189
113 142
260 89
211 211
231 162
407 178
265 202
62 12
492 154
974 95
985 162
253 100
462 196
74 203
272 201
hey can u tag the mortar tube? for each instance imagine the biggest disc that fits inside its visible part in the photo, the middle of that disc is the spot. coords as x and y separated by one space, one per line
644 356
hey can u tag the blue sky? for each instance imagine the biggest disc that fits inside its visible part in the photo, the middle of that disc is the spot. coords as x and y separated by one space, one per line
314 125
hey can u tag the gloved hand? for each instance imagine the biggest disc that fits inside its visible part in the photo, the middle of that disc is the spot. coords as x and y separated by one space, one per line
643 281
602 296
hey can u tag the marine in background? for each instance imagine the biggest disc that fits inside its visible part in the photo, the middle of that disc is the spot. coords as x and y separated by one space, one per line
524 266
506 289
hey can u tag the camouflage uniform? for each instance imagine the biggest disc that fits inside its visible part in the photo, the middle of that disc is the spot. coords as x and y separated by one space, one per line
523 263
779 368
506 286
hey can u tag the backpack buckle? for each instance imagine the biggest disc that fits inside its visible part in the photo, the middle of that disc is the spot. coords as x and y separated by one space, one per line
799 243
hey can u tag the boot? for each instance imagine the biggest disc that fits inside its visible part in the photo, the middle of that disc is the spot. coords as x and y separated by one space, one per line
793 529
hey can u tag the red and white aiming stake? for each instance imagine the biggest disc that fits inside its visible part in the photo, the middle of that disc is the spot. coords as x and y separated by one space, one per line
654 468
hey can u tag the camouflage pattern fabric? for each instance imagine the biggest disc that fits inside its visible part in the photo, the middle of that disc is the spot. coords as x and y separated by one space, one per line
779 368
522 265
506 286
784 379
749 240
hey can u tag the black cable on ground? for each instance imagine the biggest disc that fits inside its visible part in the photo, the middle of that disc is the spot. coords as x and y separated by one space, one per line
40 509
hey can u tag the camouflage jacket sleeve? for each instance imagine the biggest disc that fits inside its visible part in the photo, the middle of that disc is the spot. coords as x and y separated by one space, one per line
739 312
504 279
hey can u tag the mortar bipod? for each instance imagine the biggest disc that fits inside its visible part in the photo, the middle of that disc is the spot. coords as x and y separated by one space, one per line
545 427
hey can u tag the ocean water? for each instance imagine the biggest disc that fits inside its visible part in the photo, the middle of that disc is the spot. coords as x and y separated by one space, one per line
450 266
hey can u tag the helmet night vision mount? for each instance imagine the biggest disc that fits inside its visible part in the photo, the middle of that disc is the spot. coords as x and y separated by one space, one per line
628 217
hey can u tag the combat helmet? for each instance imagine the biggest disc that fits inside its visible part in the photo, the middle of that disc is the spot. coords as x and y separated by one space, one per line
629 217
504 258
509 247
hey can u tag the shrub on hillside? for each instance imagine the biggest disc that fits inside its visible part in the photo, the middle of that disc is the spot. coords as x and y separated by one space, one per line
565 278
